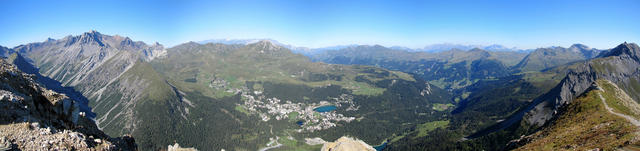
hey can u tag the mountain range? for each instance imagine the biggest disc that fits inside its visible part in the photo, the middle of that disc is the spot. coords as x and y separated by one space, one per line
259 94
312 51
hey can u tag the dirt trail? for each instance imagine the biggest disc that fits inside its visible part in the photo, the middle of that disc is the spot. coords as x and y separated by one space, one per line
633 121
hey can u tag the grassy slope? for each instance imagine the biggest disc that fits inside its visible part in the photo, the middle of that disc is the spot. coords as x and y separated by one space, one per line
585 125
142 96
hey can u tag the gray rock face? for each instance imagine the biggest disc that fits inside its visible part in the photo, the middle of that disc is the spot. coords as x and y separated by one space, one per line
24 100
33 117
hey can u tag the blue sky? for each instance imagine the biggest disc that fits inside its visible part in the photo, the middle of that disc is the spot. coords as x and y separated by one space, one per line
319 23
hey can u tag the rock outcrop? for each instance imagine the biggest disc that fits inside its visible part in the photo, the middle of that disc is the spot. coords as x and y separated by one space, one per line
176 147
347 144
33 117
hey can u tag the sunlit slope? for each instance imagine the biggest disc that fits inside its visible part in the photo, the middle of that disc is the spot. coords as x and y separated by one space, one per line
588 123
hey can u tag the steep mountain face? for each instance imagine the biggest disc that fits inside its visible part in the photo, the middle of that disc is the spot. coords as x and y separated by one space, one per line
47 119
23 65
603 117
543 58
447 69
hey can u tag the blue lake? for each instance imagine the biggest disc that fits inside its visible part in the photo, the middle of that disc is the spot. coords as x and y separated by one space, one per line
326 108
380 147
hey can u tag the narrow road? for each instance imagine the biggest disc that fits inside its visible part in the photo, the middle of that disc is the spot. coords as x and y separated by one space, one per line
633 121
272 147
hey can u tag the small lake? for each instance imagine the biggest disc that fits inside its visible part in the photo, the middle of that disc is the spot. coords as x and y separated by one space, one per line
380 147
326 108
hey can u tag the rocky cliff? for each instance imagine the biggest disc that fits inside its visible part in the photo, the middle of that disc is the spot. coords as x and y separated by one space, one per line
36 118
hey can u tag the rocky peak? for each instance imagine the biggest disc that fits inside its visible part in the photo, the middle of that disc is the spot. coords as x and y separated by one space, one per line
91 37
127 43
585 50
625 49
265 46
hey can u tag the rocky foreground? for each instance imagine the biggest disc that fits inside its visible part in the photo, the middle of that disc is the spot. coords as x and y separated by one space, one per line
347 144
35 118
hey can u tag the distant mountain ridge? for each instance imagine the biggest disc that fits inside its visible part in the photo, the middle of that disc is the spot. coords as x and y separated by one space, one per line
449 69
448 46
296 49
312 51
543 58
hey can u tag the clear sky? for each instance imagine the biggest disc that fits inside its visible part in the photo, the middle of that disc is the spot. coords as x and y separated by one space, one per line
319 23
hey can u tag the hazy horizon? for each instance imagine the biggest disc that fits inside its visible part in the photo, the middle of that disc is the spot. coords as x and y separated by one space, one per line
388 46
